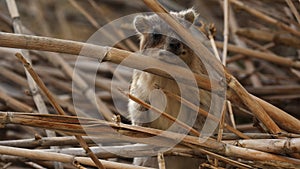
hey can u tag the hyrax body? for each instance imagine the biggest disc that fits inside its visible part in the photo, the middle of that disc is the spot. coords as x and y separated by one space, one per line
158 40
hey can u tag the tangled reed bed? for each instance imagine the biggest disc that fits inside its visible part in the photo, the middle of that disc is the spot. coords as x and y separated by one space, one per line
41 127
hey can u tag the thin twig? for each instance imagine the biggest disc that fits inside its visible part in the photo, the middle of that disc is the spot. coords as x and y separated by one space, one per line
293 9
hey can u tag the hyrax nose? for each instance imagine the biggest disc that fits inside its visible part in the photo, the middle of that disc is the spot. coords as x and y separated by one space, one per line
174 45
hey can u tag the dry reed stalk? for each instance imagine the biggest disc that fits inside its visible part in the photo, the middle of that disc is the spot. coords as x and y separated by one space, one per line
287 62
13 77
229 106
284 120
41 155
69 124
211 29
293 9
265 17
275 89
222 158
226 32
51 141
267 36
57 107
14 103
40 83
161 161
277 146
112 55
128 151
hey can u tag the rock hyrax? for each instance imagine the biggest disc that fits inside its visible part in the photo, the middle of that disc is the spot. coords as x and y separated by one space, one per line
158 40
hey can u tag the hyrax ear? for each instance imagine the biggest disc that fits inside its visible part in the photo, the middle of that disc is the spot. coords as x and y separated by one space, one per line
189 15
141 24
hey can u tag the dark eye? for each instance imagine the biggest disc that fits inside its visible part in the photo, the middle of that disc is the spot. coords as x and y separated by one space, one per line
156 36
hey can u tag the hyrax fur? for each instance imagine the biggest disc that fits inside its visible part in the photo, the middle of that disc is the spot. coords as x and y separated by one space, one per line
158 40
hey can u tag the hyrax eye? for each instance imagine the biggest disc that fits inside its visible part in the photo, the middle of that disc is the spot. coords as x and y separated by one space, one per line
156 36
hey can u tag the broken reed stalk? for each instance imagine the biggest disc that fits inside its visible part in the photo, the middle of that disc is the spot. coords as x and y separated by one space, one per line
95 127
57 107
133 60
163 114
205 54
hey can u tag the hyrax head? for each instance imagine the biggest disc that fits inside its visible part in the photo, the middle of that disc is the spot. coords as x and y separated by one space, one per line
155 33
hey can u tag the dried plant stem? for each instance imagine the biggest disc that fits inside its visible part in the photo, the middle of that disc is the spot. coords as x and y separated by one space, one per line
40 155
213 44
57 107
269 36
264 56
115 56
161 161
265 17
13 77
219 157
220 131
231 114
15 104
51 141
226 32
40 83
56 122
293 9
277 146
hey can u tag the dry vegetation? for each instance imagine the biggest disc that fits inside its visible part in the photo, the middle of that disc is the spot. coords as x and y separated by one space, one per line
41 128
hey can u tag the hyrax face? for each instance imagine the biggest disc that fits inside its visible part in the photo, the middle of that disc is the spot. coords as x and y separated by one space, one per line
165 44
